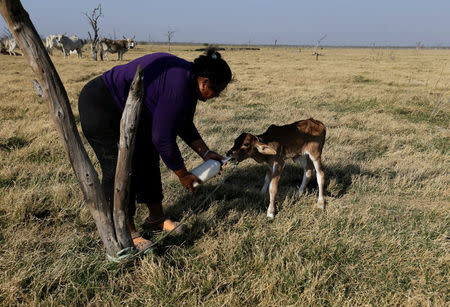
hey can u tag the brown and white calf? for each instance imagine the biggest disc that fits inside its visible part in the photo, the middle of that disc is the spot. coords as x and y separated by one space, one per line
300 141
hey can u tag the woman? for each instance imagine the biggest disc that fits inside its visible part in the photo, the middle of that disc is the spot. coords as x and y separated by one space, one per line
172 88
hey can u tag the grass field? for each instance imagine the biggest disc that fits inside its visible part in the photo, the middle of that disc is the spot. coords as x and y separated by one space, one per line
383 240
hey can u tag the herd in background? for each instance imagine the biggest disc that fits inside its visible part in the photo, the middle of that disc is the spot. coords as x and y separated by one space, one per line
73 44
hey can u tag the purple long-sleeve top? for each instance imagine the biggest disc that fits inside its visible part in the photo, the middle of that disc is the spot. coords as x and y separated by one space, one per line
170 98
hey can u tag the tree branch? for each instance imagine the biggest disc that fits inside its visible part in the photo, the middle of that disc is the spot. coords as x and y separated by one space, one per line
128 127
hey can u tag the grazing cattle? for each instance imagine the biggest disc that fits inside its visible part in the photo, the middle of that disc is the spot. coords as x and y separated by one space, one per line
51 42
70 43
300 141
10 45
116 46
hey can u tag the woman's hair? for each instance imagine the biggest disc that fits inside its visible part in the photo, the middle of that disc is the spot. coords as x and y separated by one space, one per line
211 65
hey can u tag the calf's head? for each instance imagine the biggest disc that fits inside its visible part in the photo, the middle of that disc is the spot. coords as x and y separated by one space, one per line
248 145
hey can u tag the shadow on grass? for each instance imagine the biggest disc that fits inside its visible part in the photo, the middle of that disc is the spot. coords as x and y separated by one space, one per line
342 175
241 192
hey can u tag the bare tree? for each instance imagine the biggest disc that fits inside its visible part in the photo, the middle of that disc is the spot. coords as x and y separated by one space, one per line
315 52
419 45
93 18
170 34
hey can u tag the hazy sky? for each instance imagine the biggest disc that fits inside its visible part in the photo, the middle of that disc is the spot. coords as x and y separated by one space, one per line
346 22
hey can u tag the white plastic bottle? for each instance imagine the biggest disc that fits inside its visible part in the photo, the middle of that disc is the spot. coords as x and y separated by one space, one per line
206 170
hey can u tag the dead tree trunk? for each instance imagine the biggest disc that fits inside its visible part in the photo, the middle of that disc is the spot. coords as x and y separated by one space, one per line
316 52
54 92
93 18
94 46
128 127
170 36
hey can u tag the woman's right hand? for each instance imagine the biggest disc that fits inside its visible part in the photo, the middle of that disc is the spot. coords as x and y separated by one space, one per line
187 179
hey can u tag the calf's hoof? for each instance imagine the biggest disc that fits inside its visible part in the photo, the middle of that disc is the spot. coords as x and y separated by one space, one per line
321 204
270 215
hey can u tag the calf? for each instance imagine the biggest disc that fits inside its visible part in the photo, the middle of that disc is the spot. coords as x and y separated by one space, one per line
300 141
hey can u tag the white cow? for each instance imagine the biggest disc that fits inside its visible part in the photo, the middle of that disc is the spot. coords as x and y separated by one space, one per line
10 45
70 43
52 42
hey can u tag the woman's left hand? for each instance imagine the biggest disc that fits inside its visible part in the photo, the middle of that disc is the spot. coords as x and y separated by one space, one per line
212 155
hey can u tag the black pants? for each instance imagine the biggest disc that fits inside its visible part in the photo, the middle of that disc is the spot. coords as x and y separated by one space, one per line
100 122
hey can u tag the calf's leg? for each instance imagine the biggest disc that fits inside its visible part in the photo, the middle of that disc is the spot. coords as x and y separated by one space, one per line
273 187
320 180
307 173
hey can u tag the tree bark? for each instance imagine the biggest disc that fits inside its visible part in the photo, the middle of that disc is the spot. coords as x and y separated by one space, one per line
128 127
94 51
54 92
93 45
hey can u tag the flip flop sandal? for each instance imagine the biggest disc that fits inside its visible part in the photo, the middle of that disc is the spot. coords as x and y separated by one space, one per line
143 245
163 224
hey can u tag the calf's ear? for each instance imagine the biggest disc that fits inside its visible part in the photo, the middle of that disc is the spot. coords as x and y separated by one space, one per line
265 149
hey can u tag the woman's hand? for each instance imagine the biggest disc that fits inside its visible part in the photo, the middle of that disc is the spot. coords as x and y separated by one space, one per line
212 155
187 179
199 146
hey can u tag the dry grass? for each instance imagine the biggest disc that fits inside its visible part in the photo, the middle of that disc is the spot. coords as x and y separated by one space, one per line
384 239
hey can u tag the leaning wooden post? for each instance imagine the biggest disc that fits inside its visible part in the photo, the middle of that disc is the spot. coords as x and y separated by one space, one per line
128 128
53 91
